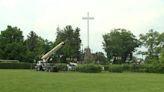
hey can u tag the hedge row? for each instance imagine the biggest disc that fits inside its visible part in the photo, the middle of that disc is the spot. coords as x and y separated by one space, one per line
15 65
93 68
89 68
159 68
61 66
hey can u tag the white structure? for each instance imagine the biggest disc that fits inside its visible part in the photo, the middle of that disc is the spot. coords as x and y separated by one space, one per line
71 66
48 54
88 18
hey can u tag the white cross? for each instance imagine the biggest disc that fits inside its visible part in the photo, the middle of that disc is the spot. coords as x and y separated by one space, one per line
88 18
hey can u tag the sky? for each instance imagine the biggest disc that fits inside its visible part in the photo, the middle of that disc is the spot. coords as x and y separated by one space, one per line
44 16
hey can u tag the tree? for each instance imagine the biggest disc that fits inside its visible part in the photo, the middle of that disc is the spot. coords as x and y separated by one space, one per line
151 41
31 44
161 59
71 49
11 34
31 41
161 40
100 58
11 40
119 45
36 47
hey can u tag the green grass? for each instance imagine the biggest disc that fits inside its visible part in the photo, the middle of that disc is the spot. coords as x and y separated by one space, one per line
33 81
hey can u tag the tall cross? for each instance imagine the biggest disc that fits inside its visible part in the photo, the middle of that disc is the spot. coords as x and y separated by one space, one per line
88 18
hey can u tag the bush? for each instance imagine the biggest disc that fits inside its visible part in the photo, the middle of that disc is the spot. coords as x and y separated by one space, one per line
126 67
116 68
159 68
141 68
61 66
106 67
9 61
135 68
161 59
15 65
89 68
149 68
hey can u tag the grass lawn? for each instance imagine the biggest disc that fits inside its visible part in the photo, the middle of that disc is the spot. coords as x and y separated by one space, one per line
33 81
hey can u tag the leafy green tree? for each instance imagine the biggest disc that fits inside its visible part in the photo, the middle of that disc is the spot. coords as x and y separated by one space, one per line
1 53
11 40
36 47
31 44
71 49
161 40
161 45
11 34
100 58
119 45
31 41
151 41
161 59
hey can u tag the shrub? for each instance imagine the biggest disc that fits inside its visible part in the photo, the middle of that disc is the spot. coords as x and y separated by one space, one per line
15 65
116 68
159 68
134 68
138 68
161 59
149 68
9 61
126 67
106 67
89 68
61 66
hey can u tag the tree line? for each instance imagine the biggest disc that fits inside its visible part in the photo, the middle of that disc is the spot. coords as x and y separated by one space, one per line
13 46
119 45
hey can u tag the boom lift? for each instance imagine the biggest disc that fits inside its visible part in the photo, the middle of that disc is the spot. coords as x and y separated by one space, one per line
43 64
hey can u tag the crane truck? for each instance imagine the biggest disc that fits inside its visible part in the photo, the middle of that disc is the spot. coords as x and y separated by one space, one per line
43 64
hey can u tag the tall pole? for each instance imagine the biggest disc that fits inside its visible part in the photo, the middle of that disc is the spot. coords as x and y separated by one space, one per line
88 18
88 28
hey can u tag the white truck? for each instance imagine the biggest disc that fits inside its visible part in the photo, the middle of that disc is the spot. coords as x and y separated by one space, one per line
43 64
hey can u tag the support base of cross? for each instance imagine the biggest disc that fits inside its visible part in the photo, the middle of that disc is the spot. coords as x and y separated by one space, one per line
88 58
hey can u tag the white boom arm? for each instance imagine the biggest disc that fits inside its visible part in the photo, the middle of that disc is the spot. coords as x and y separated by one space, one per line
48 54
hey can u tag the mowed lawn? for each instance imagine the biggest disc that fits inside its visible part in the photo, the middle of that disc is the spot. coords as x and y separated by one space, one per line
33 81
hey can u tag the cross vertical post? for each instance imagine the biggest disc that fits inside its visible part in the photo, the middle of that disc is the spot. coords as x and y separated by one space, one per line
88 18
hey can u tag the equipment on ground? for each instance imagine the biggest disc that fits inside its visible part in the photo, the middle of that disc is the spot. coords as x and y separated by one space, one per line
71 66
43 64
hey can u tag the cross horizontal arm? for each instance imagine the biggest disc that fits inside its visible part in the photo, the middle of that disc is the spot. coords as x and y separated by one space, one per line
88 18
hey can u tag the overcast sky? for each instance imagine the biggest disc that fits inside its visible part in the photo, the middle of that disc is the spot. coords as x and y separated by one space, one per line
44 16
